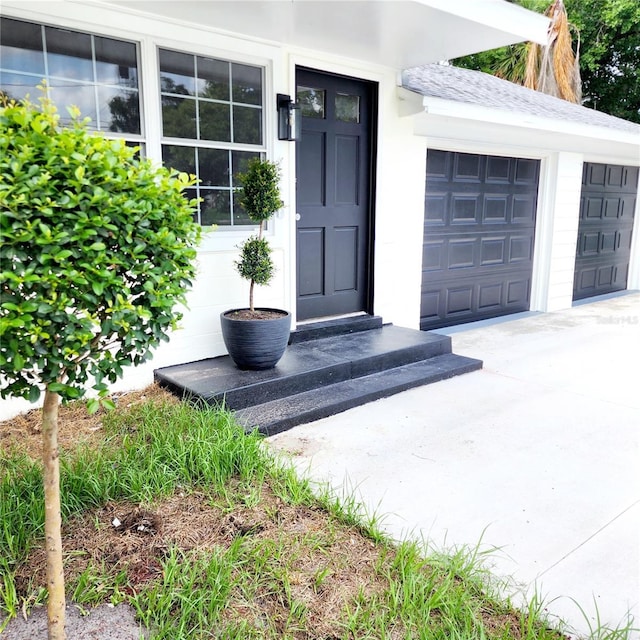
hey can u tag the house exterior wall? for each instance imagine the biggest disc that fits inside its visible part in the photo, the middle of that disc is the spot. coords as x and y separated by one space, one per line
399 180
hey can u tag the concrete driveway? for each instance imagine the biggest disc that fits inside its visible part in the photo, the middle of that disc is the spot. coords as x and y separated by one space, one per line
537 454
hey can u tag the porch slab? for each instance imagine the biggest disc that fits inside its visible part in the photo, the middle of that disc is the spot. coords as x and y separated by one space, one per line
320 377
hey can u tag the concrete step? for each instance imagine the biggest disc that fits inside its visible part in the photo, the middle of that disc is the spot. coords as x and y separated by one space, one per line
306 365
280 414
335 327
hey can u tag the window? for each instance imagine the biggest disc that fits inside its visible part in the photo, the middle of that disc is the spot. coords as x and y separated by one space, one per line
212 125
98 75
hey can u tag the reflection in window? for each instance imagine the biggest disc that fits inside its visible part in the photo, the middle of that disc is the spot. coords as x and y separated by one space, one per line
347 108
222 100
96 74
217 172
311 102
213 106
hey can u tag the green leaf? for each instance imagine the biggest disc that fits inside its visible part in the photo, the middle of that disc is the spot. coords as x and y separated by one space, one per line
33 394
108 404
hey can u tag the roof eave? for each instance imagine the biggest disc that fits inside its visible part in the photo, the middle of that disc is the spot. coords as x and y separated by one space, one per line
453 109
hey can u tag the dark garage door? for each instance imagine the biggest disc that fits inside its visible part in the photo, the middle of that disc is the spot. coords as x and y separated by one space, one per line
607 206
479 230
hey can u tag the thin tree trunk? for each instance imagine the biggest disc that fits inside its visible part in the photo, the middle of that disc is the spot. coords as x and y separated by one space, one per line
252 282
52 518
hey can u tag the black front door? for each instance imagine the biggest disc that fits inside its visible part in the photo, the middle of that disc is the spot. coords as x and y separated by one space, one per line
334 164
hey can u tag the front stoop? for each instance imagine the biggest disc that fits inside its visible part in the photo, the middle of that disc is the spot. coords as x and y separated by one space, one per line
327 368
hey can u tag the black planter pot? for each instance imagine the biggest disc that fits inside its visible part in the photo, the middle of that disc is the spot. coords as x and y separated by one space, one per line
256 344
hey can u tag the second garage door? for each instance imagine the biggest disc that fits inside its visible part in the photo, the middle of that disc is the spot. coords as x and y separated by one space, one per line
607 208
479 229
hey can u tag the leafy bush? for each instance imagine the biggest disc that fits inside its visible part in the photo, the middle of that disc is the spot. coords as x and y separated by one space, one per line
98 247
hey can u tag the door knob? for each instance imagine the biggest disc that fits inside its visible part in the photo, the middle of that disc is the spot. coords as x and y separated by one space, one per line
298 216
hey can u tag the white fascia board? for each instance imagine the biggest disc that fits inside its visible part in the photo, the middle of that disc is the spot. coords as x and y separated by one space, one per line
498 14
451 109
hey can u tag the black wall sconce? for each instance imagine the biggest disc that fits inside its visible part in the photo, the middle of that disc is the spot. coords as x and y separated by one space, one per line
289 120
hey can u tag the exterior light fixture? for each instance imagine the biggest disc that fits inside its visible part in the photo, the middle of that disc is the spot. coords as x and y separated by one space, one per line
289 121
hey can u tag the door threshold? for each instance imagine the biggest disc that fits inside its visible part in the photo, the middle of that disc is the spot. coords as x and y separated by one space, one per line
355 314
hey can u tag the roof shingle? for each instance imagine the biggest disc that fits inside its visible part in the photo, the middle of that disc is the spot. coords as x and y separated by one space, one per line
481 89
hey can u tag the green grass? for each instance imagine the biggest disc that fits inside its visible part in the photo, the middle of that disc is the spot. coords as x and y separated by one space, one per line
287 584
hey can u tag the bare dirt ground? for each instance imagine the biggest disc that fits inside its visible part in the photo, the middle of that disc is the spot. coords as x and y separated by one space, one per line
101 623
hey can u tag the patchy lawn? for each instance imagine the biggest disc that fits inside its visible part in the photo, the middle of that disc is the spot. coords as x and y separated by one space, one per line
175 511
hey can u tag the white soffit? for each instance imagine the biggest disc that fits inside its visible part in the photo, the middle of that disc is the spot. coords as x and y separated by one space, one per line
394 33
536 124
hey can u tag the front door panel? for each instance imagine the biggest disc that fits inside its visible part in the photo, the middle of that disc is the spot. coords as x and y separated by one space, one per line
333 195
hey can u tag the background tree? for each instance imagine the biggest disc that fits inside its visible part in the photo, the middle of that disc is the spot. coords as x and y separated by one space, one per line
609 54
98 246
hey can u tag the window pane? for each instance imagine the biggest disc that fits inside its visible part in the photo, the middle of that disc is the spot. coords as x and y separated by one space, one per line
116 62
119 110
240 216
213 79
179 158
177 73
240 161
16 86
214 167
247 84
190 194
311 102
69 54
347 108
215 207
247 125
179 117
65 94
21 46
139 147
214 122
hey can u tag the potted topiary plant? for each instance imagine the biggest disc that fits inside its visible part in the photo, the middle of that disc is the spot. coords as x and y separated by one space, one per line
256 338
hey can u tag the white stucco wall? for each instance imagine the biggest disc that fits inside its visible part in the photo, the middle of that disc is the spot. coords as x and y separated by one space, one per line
400 170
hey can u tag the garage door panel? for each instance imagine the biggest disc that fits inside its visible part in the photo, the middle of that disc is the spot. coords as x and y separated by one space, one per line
493 251
436 208
478 237
464 209
481 252
524 208
495 209
461 254
526 173
603 249
438 165
463 300
499 170
521 249
467 168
